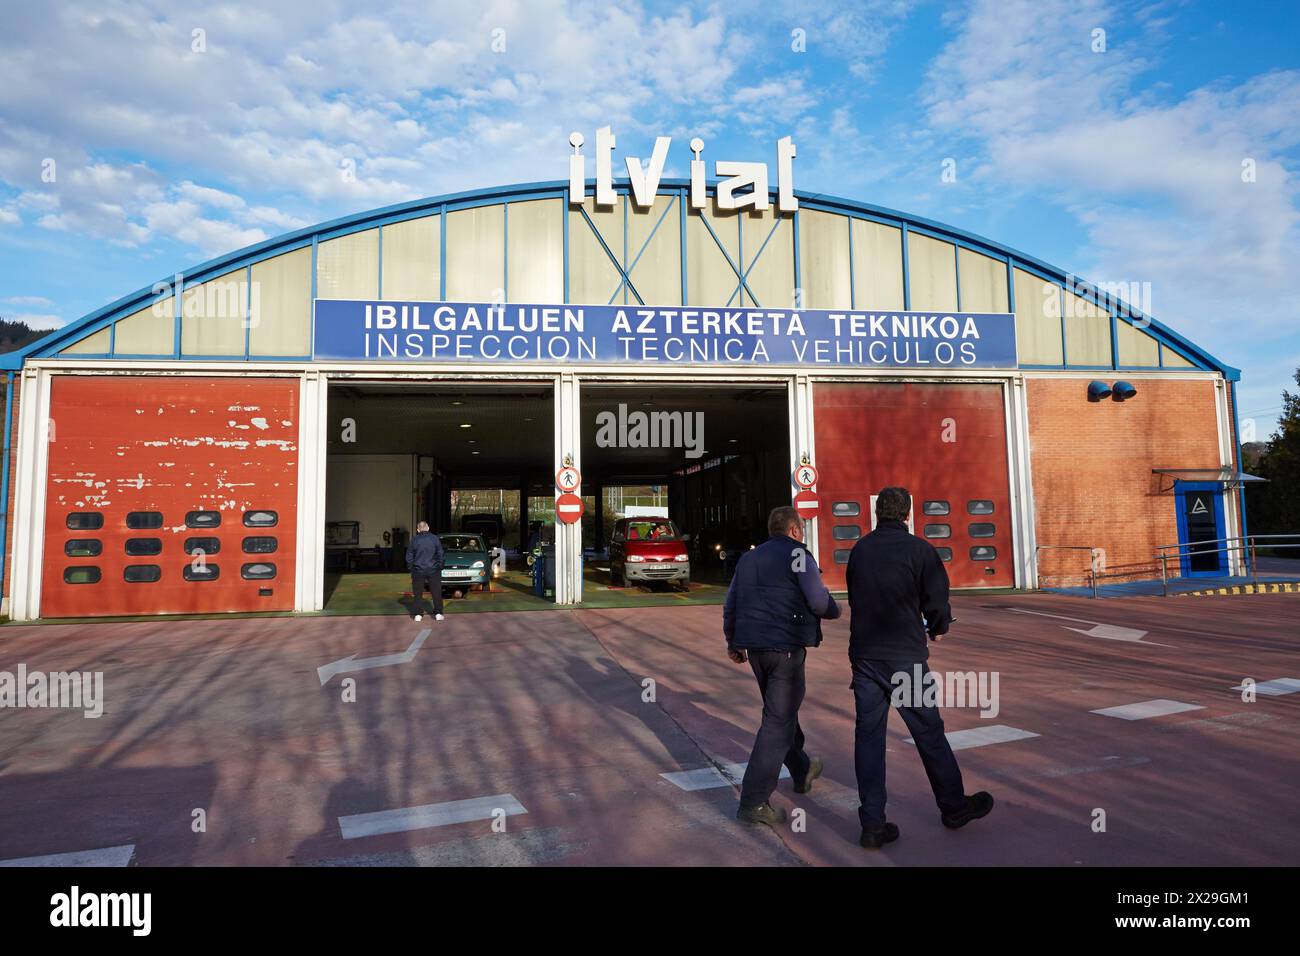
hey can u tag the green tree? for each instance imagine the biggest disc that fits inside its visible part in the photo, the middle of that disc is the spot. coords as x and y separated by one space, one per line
14 335
1274 508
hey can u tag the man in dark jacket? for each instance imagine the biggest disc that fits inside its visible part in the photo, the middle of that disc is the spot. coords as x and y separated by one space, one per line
772 616
898 593
424 558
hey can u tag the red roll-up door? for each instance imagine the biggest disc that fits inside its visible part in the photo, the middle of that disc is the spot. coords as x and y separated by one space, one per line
945 443
170 494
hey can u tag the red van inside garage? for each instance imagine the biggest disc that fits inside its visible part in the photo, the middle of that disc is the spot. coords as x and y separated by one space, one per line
945 443
170 494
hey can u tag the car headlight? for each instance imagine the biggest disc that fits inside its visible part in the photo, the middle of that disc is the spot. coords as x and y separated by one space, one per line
477 564
682 557
635 558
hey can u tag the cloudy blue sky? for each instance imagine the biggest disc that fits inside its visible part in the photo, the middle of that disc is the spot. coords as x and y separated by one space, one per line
1122 165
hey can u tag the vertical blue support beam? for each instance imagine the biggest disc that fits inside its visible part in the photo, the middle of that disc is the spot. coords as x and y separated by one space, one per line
681 236
4 476
907 275
248 311
623 264
956 265
505 253
379 280
315 248
1011 286
178 296
1065 347
1114 337
853 292
798 287
442 253
564 238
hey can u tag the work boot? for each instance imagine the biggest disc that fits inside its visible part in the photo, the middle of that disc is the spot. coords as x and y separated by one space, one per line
873 838
814 771
977 805
764 813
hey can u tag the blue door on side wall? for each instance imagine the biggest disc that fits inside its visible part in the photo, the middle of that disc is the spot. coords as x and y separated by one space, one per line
1200 519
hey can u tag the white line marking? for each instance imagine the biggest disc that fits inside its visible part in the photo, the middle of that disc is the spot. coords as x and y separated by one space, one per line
350 663
983 736
1147 708
1275 688
1109 632
429 815
707 778
108 856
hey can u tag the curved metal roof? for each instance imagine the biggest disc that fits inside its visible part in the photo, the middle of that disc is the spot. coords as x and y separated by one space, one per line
66 335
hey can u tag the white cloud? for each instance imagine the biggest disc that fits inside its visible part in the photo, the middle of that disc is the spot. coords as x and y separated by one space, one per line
1154 181
37 320
337 108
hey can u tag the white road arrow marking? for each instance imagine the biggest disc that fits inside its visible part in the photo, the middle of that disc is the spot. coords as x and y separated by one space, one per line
350 663
108 856
1108 632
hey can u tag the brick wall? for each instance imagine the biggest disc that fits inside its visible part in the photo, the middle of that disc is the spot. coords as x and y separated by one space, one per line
1092 464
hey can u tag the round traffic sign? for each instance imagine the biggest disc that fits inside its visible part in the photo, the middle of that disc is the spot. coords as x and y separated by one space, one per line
805 476
568 508
807 504
567 478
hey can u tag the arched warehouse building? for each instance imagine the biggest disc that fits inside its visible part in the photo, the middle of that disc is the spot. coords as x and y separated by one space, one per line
264 409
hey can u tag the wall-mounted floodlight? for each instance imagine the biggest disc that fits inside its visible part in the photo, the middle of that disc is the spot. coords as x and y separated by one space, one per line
1123 391
1098 391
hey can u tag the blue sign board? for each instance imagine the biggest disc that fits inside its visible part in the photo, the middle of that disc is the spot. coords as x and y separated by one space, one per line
469 332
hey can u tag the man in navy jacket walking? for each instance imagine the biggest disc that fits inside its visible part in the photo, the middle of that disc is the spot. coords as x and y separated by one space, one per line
898 593
773 614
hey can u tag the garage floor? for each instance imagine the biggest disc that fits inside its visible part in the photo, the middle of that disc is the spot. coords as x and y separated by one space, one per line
390 594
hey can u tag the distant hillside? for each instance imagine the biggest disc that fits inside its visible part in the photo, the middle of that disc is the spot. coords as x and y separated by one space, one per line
14 335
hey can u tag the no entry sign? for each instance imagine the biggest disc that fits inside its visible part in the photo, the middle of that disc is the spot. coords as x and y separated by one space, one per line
807 504
568 508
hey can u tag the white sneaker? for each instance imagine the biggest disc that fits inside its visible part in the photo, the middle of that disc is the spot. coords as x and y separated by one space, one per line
437 617
419 618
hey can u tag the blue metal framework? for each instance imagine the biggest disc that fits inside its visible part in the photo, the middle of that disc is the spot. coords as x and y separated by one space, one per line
676 191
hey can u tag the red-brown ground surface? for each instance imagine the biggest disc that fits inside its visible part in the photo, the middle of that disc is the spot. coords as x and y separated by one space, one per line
230 717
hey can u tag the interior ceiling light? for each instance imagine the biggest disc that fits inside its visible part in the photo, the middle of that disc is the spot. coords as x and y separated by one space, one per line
466 425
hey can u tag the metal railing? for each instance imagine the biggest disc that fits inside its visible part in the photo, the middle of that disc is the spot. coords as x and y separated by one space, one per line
1092 559
1247 547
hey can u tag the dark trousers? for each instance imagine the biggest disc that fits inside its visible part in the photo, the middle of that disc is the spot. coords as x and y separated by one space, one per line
872 693
780 739
419 581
